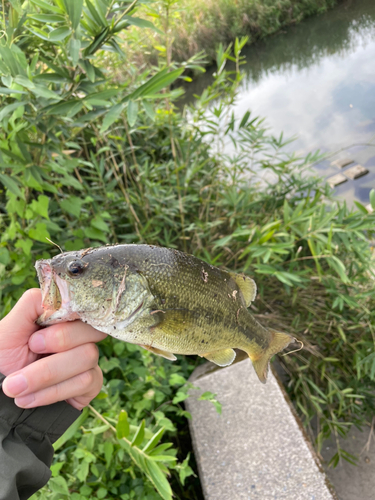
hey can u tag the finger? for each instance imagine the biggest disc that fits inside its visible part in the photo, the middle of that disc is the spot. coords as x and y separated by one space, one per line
21 319
63 337
84 387
51 370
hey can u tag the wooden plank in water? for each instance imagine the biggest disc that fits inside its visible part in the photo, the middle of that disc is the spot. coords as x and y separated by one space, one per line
337 179
342 162
355 172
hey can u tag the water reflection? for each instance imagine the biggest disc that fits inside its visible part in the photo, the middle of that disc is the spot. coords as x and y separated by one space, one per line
316 80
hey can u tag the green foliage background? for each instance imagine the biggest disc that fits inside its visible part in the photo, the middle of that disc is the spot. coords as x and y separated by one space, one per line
86 160
194 25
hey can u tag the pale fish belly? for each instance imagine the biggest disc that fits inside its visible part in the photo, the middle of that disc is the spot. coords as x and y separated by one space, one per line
188 341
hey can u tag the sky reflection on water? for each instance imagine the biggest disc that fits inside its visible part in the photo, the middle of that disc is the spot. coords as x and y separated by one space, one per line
315 81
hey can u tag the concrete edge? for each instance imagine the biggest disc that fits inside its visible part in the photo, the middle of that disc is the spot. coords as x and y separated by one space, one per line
209 367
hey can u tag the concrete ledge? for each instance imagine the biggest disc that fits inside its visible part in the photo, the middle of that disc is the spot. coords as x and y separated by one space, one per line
257 448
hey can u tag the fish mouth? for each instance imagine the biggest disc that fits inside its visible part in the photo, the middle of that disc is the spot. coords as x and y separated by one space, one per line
56 300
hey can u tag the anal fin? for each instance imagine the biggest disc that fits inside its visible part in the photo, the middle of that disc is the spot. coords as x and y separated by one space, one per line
224 357
160 352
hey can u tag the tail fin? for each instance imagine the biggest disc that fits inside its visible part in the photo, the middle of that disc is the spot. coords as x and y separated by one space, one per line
278 343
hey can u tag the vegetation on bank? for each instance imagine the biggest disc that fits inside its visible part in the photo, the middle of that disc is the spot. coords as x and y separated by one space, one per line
85 160
187 27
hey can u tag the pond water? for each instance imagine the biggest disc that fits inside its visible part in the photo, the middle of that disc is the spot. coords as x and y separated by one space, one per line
315 81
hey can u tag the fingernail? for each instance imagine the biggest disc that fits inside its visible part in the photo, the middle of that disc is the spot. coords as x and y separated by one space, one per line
37 342
25 401
15 384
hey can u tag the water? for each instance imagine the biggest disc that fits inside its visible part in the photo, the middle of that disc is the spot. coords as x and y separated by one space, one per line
316 81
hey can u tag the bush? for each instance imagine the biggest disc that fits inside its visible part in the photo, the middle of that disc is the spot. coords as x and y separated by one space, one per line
86 161
187 27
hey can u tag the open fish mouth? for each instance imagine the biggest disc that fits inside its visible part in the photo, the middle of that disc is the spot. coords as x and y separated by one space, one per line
55 296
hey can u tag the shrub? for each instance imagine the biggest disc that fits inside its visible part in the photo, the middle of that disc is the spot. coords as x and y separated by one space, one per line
190 26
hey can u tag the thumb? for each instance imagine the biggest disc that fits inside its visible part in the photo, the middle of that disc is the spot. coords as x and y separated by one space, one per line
20 322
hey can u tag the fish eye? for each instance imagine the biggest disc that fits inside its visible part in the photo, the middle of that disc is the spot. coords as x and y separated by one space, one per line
76 268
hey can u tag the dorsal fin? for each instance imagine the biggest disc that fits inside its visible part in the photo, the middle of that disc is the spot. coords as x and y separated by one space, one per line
247 286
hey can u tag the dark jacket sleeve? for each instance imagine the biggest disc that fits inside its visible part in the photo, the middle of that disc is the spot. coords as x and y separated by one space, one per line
26 438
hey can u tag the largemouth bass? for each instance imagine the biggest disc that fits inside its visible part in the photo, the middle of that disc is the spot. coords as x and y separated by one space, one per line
161 299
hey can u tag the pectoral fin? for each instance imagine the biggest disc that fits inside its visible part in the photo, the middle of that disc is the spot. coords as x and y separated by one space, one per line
160 352
174 321
224 357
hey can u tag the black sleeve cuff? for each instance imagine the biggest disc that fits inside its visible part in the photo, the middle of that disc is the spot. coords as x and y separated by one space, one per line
26 438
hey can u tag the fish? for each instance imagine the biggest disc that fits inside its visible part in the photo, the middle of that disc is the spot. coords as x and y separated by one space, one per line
161 299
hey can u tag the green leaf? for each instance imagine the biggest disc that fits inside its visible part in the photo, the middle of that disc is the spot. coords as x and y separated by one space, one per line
372 198
159 480
108 452
26 246
111 116
209 396
41 91
74 48
160 449
361 207
176 379
339 267
99 223
25 82
40 207
139 435
5 91
185 470
137 21
10 108
46 6
40 233
58 485
96 234
4 256
10 184
132 112
180 396
68 108
96 15
244 119
101 493
47 18
154 441
74 10
98 41
88 68
122 426
156 83
10 60
72 205
39 33
55 468
163 458
69 433
59 34
148 107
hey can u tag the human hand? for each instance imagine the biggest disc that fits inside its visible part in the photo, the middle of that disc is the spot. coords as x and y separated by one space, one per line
71 373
